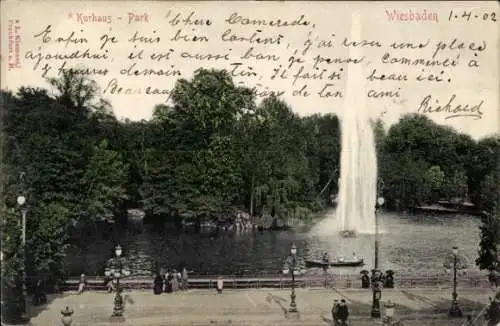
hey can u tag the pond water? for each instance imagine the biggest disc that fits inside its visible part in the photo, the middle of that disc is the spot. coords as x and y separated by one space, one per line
408 244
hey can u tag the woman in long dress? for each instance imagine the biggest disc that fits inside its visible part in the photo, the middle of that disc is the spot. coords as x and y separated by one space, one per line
158 284
165 280
168 285
185 281
175 281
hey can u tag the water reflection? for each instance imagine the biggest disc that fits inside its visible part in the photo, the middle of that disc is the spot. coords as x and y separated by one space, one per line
409 244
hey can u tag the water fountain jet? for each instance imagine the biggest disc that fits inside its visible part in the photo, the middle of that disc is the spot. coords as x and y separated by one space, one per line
358 162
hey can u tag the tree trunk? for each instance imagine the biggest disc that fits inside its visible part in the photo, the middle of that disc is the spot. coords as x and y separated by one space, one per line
252 194
198 223
328 183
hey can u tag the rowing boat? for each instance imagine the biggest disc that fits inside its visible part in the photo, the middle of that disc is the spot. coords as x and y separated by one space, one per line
337 263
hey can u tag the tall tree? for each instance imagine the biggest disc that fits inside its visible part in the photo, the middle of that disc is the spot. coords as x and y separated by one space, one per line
54 142
103 183
195 173
489 201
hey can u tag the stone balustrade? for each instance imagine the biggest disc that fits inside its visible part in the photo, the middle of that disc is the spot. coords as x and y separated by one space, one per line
237 282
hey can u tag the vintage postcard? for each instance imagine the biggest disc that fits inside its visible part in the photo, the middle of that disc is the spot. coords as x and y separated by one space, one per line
250 163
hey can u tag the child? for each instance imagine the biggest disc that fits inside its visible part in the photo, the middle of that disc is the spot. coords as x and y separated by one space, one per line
220 284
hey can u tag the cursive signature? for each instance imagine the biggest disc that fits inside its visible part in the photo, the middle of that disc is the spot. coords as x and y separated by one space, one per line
454 110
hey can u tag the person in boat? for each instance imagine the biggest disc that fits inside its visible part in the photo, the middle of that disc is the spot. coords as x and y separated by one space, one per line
354 258
340 259
158 284
325 258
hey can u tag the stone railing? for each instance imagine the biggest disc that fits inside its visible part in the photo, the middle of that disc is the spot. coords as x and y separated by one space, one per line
238 282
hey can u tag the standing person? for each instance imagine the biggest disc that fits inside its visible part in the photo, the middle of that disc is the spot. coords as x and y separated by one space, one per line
168 285
39 296
175 281
220 284
335 312
158 284
81 284
184 278
325 258
106 281
343 312
165 280
111 285
493 312
179 277
346 313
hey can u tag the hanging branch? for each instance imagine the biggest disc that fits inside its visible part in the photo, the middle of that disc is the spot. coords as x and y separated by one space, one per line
334 173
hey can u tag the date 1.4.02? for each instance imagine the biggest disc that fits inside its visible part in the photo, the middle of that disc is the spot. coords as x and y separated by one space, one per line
471 15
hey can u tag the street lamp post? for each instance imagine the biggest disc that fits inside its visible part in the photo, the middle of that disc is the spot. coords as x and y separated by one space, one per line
377 293
376 274
325 274
291 265
117 272
21 201
380 203
455 309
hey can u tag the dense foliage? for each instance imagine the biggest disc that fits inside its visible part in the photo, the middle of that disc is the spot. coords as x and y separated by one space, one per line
210 153
424 162
56 156
490 229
